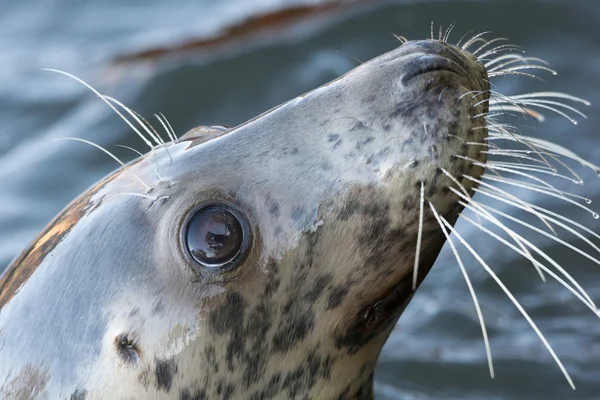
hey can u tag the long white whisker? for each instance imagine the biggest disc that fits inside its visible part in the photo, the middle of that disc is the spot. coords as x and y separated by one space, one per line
491 218
510 196
531 208
531 185
513 300
169 133
154 167
419 237
521 239
157 139
540 265
552 237
470 41
486 341
111 155
105 100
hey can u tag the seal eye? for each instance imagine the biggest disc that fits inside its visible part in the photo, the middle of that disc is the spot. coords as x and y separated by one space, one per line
217 237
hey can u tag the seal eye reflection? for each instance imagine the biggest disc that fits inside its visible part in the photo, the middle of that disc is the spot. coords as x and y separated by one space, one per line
217 237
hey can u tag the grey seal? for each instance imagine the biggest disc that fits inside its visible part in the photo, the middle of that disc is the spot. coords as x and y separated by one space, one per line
269 260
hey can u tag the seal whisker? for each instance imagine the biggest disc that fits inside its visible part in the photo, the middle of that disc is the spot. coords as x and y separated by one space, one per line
501 153
522 67
419 236
520 110
469 42
138 118
500 49
462 38
588 300
487 145
163 120
516 73
513 300
102 97
530 208
515 170
502 132
457 183
558 95
545 185
486 341
111 155
510 196
516 60
490 42
549 193
477 93
547 270
549 146
578 180
154 166
484 210
514 236
510 56
552 237
448 32
145 196
524 166
494 104
543 104
146 126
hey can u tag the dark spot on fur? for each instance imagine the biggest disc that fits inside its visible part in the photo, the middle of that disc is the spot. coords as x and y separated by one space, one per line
361 144
318 287
359 125
164 371
270 391
200 394
230 315
273 206
336 296
210 357
78 394
296 323
225 390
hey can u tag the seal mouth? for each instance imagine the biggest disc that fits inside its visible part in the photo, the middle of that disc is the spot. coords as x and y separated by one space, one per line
376 316
425 63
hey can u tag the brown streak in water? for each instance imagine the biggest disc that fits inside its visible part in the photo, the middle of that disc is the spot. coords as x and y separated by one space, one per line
253 25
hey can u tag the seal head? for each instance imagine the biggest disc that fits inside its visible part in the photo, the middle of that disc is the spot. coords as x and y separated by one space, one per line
266 261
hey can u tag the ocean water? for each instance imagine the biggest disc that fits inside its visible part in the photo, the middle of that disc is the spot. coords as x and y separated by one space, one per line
436 350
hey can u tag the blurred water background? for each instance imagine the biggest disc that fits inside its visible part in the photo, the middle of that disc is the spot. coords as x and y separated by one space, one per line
222 62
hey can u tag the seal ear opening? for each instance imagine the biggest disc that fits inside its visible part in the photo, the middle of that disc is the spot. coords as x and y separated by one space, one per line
127 349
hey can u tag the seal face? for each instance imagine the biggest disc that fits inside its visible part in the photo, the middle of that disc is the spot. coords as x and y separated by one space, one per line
266 261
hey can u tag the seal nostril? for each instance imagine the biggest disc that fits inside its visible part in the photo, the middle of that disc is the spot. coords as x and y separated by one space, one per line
127 349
